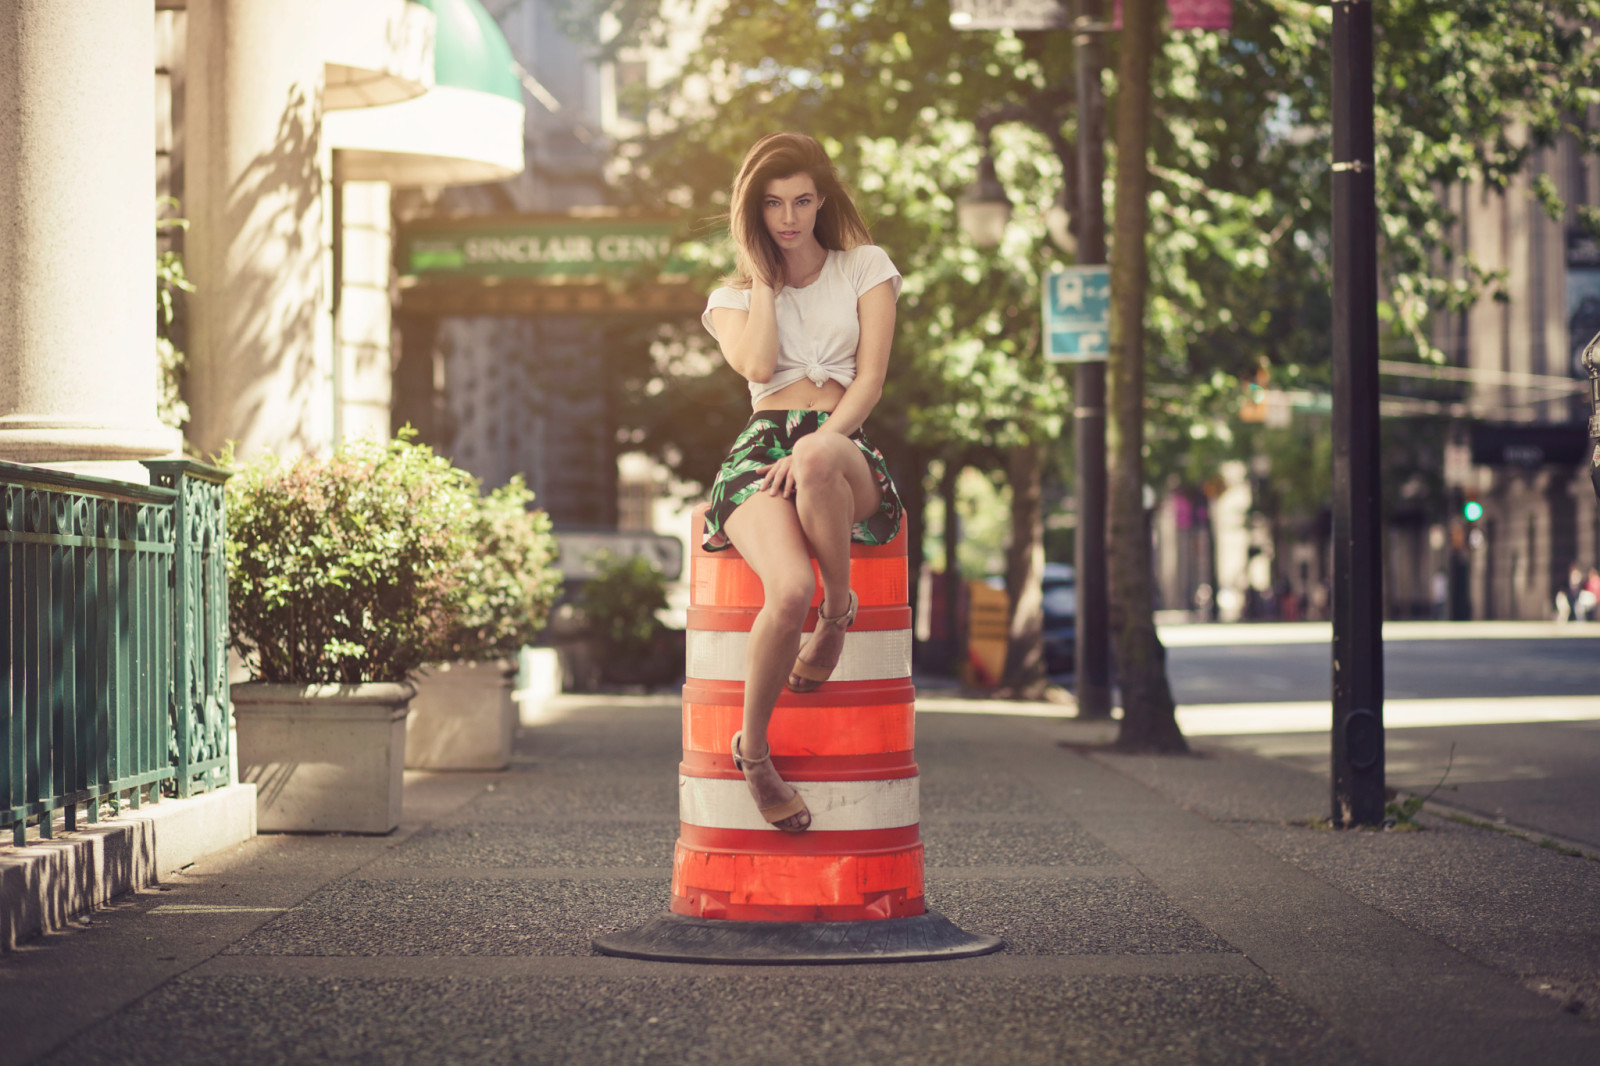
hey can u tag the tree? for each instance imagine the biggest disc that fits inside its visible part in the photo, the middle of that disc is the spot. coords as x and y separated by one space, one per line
1149 721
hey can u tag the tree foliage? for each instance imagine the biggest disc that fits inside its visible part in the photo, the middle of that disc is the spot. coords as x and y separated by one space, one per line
1239 195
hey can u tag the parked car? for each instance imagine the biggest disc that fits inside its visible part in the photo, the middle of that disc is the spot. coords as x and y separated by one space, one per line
1060 618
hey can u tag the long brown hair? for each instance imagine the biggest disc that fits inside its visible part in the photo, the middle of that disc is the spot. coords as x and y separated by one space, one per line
783 155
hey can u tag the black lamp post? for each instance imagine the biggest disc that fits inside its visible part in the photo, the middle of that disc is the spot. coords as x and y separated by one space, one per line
1358 746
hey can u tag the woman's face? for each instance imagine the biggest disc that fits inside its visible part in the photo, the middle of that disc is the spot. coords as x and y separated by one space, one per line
789 207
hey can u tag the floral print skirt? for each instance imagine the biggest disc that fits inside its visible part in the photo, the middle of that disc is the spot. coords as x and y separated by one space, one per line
768 437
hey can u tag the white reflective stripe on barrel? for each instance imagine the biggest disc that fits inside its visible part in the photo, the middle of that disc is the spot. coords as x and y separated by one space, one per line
719 803
869 655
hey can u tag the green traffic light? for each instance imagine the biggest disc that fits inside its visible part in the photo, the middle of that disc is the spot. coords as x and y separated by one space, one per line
1472 510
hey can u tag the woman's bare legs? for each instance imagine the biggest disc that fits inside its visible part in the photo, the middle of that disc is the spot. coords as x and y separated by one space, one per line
767 532
834 489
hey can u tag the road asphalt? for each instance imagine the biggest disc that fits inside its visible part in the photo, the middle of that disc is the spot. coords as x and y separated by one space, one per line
1155 910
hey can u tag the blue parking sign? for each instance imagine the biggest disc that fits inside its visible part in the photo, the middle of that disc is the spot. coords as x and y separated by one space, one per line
1077 314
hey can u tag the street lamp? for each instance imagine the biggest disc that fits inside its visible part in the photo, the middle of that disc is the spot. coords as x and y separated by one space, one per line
984 210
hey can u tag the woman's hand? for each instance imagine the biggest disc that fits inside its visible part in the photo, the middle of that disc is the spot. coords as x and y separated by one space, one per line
778 478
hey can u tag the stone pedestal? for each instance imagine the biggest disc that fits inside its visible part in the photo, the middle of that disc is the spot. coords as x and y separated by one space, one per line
77 236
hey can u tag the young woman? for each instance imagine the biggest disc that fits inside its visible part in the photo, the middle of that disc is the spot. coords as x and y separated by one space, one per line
806 318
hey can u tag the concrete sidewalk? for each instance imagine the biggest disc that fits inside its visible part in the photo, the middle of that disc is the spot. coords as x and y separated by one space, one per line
1155 910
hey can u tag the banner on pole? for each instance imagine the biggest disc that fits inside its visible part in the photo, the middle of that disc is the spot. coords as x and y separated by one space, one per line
1191 14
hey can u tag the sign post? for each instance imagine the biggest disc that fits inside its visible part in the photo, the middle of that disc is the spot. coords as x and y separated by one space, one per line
1086 20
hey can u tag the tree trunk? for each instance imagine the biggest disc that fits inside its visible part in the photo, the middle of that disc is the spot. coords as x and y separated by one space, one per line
1149 720
1025 673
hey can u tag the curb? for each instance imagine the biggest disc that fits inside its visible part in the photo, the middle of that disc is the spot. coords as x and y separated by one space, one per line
1473 818
47 883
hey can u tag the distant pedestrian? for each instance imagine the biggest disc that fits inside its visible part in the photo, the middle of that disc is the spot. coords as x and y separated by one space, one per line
1567 597
1589 596
806 318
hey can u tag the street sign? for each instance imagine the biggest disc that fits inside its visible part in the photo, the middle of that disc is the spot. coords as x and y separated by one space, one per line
1009 14
1077 314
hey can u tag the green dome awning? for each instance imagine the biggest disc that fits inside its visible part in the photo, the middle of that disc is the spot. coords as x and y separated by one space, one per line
471 52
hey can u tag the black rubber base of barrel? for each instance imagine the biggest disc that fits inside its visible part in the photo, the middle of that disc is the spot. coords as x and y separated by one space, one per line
677 938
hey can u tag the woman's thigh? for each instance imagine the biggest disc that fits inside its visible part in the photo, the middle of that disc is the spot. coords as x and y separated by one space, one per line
829 453
766 531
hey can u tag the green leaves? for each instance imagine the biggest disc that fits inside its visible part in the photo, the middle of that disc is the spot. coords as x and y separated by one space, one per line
364 565
511 580
620 604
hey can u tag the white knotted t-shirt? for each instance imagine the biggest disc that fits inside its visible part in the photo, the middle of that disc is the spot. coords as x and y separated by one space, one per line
818 326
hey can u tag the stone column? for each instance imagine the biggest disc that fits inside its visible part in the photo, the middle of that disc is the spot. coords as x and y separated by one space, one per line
363 366
259 333
77 236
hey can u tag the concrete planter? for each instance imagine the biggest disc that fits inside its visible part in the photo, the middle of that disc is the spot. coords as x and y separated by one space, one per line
324 758
463 717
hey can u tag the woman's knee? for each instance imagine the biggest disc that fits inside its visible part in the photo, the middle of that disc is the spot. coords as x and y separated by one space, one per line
789 594
819 456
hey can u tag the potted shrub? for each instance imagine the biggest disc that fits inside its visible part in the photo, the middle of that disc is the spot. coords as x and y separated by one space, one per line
463 716
346 574
619 608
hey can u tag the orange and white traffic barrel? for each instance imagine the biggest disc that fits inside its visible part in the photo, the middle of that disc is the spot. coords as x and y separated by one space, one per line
849 887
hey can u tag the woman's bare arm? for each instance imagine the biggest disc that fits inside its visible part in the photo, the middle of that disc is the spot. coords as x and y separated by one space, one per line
749 339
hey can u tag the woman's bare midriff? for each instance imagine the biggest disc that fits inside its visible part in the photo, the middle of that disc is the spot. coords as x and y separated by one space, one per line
803 396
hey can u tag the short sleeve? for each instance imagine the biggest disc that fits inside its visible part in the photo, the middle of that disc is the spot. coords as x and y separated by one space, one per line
869 265
733 299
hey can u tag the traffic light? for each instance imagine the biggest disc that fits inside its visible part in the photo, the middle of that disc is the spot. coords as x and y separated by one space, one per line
1472 510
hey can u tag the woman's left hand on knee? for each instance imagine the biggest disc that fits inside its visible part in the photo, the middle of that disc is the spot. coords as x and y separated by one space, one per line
778 478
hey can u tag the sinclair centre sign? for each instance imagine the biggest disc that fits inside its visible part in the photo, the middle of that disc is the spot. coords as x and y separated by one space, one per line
540 247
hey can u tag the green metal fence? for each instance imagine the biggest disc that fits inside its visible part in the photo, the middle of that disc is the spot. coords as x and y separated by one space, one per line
113 641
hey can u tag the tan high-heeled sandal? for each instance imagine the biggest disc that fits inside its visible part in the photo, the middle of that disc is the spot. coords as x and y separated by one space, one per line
778 812
810 675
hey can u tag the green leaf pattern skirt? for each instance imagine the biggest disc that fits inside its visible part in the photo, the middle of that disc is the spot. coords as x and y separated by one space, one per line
768 437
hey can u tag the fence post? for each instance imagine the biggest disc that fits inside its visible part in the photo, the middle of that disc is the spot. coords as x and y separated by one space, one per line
199 618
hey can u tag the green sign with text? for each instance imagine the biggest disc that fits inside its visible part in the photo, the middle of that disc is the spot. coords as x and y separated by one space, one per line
543 248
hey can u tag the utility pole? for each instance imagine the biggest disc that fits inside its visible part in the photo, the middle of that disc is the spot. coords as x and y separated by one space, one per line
1591 363
1092 654
1358 774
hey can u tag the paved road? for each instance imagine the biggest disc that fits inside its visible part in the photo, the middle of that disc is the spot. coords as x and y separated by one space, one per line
1513 711
1471 665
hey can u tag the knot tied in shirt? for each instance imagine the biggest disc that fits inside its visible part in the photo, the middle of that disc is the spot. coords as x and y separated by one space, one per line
818 376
